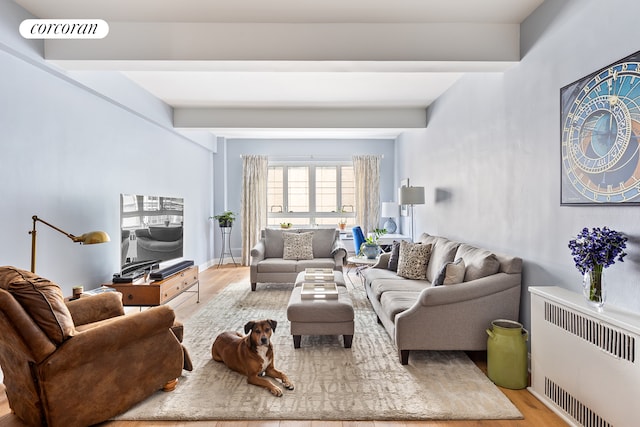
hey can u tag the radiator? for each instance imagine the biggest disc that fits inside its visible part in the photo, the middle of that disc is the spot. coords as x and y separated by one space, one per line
584 363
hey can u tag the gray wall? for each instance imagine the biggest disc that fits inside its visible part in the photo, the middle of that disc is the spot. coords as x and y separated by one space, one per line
490 155
229 179
67 154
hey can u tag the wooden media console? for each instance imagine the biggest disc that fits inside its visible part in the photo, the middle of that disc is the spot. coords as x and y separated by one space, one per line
158 292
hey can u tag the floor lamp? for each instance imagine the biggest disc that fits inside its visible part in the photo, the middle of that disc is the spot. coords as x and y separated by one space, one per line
411 196
89 238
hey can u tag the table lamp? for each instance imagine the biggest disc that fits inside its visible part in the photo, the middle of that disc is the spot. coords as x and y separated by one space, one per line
411 196
89 238
389 210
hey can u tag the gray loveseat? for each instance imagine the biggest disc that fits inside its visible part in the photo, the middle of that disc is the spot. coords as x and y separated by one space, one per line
420 316
268 265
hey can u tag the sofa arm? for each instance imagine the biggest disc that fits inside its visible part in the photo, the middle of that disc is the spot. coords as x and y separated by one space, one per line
257 252
383 261
339 252
95 308
466 291
111 337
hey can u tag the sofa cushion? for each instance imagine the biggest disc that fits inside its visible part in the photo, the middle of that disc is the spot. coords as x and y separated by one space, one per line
442 252
298 245
393 257
42 299
277 265
371 274
395 302
413 260
273 243
451 273
397 284
316 263
479 262
323 241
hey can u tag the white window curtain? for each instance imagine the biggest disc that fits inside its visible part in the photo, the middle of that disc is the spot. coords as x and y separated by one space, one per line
367 176
253 212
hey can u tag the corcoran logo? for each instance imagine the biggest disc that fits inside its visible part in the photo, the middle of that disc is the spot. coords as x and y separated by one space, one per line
64 29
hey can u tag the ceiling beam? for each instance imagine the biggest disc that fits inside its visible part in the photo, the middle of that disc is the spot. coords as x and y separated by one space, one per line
434 42
299 118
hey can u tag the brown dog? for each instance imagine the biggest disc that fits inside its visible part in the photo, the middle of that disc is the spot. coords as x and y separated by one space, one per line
251 355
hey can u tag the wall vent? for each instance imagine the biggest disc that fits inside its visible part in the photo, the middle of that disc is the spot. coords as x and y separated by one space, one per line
616 343
572 406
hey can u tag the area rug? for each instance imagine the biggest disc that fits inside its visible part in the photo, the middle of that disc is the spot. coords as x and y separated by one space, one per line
366 382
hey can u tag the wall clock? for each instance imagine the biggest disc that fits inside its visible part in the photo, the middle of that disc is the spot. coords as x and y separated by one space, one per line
600 120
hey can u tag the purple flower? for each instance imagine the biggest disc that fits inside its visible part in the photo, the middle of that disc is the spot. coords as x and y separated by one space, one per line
598 247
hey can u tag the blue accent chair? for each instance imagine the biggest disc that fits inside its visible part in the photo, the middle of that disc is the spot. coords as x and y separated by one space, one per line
358 238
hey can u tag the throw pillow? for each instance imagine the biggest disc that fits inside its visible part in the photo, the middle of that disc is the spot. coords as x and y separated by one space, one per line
42 300
413 260
393 257
480 262
451 273
298 246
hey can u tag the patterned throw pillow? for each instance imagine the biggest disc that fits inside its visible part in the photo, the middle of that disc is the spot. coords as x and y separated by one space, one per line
298 246
413 260
451 273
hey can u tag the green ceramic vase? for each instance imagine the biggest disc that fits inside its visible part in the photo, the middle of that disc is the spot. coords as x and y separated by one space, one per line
507 354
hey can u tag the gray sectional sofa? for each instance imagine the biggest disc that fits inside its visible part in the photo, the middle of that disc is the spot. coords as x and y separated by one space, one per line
420 316
268 265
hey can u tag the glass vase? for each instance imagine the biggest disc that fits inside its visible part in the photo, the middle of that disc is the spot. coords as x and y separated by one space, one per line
594 287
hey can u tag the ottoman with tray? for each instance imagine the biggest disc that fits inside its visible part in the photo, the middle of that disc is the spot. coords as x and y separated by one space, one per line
326 311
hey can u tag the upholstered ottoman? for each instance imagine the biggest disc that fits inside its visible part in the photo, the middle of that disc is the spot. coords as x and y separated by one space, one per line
321 317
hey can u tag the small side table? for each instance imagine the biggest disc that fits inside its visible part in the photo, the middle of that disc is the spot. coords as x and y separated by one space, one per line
361 263
226 246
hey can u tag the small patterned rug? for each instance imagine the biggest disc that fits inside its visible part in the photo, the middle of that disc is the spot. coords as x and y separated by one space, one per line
366 382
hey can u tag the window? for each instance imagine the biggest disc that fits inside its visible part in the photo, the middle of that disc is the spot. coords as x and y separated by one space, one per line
311 194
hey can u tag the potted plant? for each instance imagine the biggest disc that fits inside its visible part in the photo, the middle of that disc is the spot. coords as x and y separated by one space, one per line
225 219
592 252
370 247
342 222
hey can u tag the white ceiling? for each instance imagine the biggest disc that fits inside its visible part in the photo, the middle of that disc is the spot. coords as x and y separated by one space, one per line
304 54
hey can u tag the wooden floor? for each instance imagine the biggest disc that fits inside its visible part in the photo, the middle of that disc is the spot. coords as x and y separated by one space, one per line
212 281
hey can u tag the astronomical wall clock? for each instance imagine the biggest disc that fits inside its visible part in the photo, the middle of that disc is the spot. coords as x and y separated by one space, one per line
600 131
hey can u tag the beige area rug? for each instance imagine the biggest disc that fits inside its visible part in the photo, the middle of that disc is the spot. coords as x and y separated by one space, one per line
366 382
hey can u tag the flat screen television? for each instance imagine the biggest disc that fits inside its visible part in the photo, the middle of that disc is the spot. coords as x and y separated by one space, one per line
151 229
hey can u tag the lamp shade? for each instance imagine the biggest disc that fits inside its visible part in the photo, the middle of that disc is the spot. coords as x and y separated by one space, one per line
389 210
93 237
411 195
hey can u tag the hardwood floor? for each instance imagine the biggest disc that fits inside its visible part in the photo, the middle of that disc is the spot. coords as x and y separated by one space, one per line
213 280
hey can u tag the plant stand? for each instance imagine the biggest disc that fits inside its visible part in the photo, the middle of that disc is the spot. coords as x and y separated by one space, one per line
226 246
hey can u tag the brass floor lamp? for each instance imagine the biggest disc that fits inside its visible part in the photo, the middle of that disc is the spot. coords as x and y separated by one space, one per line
89 238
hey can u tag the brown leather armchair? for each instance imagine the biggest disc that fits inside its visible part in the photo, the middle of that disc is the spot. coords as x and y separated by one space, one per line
81 362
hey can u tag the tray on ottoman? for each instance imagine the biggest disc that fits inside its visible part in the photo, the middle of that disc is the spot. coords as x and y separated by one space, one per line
336 277
319 290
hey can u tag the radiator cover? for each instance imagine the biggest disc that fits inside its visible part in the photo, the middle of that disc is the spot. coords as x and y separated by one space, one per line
583 362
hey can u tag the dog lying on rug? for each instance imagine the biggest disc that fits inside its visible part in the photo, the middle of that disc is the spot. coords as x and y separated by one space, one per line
251 355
